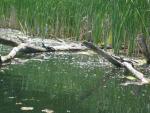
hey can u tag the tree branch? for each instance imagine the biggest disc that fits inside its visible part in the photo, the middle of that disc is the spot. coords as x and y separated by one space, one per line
118 62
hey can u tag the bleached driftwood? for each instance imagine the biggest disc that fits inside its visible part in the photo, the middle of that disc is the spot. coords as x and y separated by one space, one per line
13 53
138 74
119 62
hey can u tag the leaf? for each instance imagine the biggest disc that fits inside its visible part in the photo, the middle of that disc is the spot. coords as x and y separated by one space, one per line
18 103
131 78
11 97
26 108
47 111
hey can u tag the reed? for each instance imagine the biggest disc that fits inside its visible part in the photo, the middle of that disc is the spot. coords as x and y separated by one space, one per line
114 22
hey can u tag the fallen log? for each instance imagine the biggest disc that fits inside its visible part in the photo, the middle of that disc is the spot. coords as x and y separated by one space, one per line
27 44
119 62
138 74
103 53
13 53
14 38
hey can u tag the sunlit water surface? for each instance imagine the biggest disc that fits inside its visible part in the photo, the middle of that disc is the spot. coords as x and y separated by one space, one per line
69 83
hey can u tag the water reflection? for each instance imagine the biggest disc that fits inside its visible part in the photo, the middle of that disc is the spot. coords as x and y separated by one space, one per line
69 83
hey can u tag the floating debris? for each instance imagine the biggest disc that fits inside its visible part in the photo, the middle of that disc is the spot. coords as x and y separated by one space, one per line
47 111
11 97
131 78
68 111
26 108
19 103
2 71
30 99
132 83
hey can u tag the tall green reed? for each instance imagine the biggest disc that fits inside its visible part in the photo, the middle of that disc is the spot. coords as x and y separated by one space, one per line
118 21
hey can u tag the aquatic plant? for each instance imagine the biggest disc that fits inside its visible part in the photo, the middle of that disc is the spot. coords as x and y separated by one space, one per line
111 22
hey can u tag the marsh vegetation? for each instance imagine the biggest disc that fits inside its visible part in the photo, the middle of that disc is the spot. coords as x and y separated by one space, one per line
111 22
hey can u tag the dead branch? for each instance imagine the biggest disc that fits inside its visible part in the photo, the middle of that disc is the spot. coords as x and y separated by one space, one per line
118 62
13 53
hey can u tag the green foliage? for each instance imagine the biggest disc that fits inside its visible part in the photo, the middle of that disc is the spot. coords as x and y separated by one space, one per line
129 18
120 20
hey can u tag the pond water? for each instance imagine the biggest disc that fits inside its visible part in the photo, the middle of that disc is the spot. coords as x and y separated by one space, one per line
69 83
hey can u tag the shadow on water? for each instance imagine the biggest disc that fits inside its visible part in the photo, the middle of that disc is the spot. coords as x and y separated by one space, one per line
69 83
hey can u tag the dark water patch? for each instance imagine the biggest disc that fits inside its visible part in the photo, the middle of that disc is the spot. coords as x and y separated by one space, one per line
69 83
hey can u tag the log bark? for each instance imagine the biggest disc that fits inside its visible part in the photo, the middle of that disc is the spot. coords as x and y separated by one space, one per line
103 53
119 62
35 44
13 53
26 44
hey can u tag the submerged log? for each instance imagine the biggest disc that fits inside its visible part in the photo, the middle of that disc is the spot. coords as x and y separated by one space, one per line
119 62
